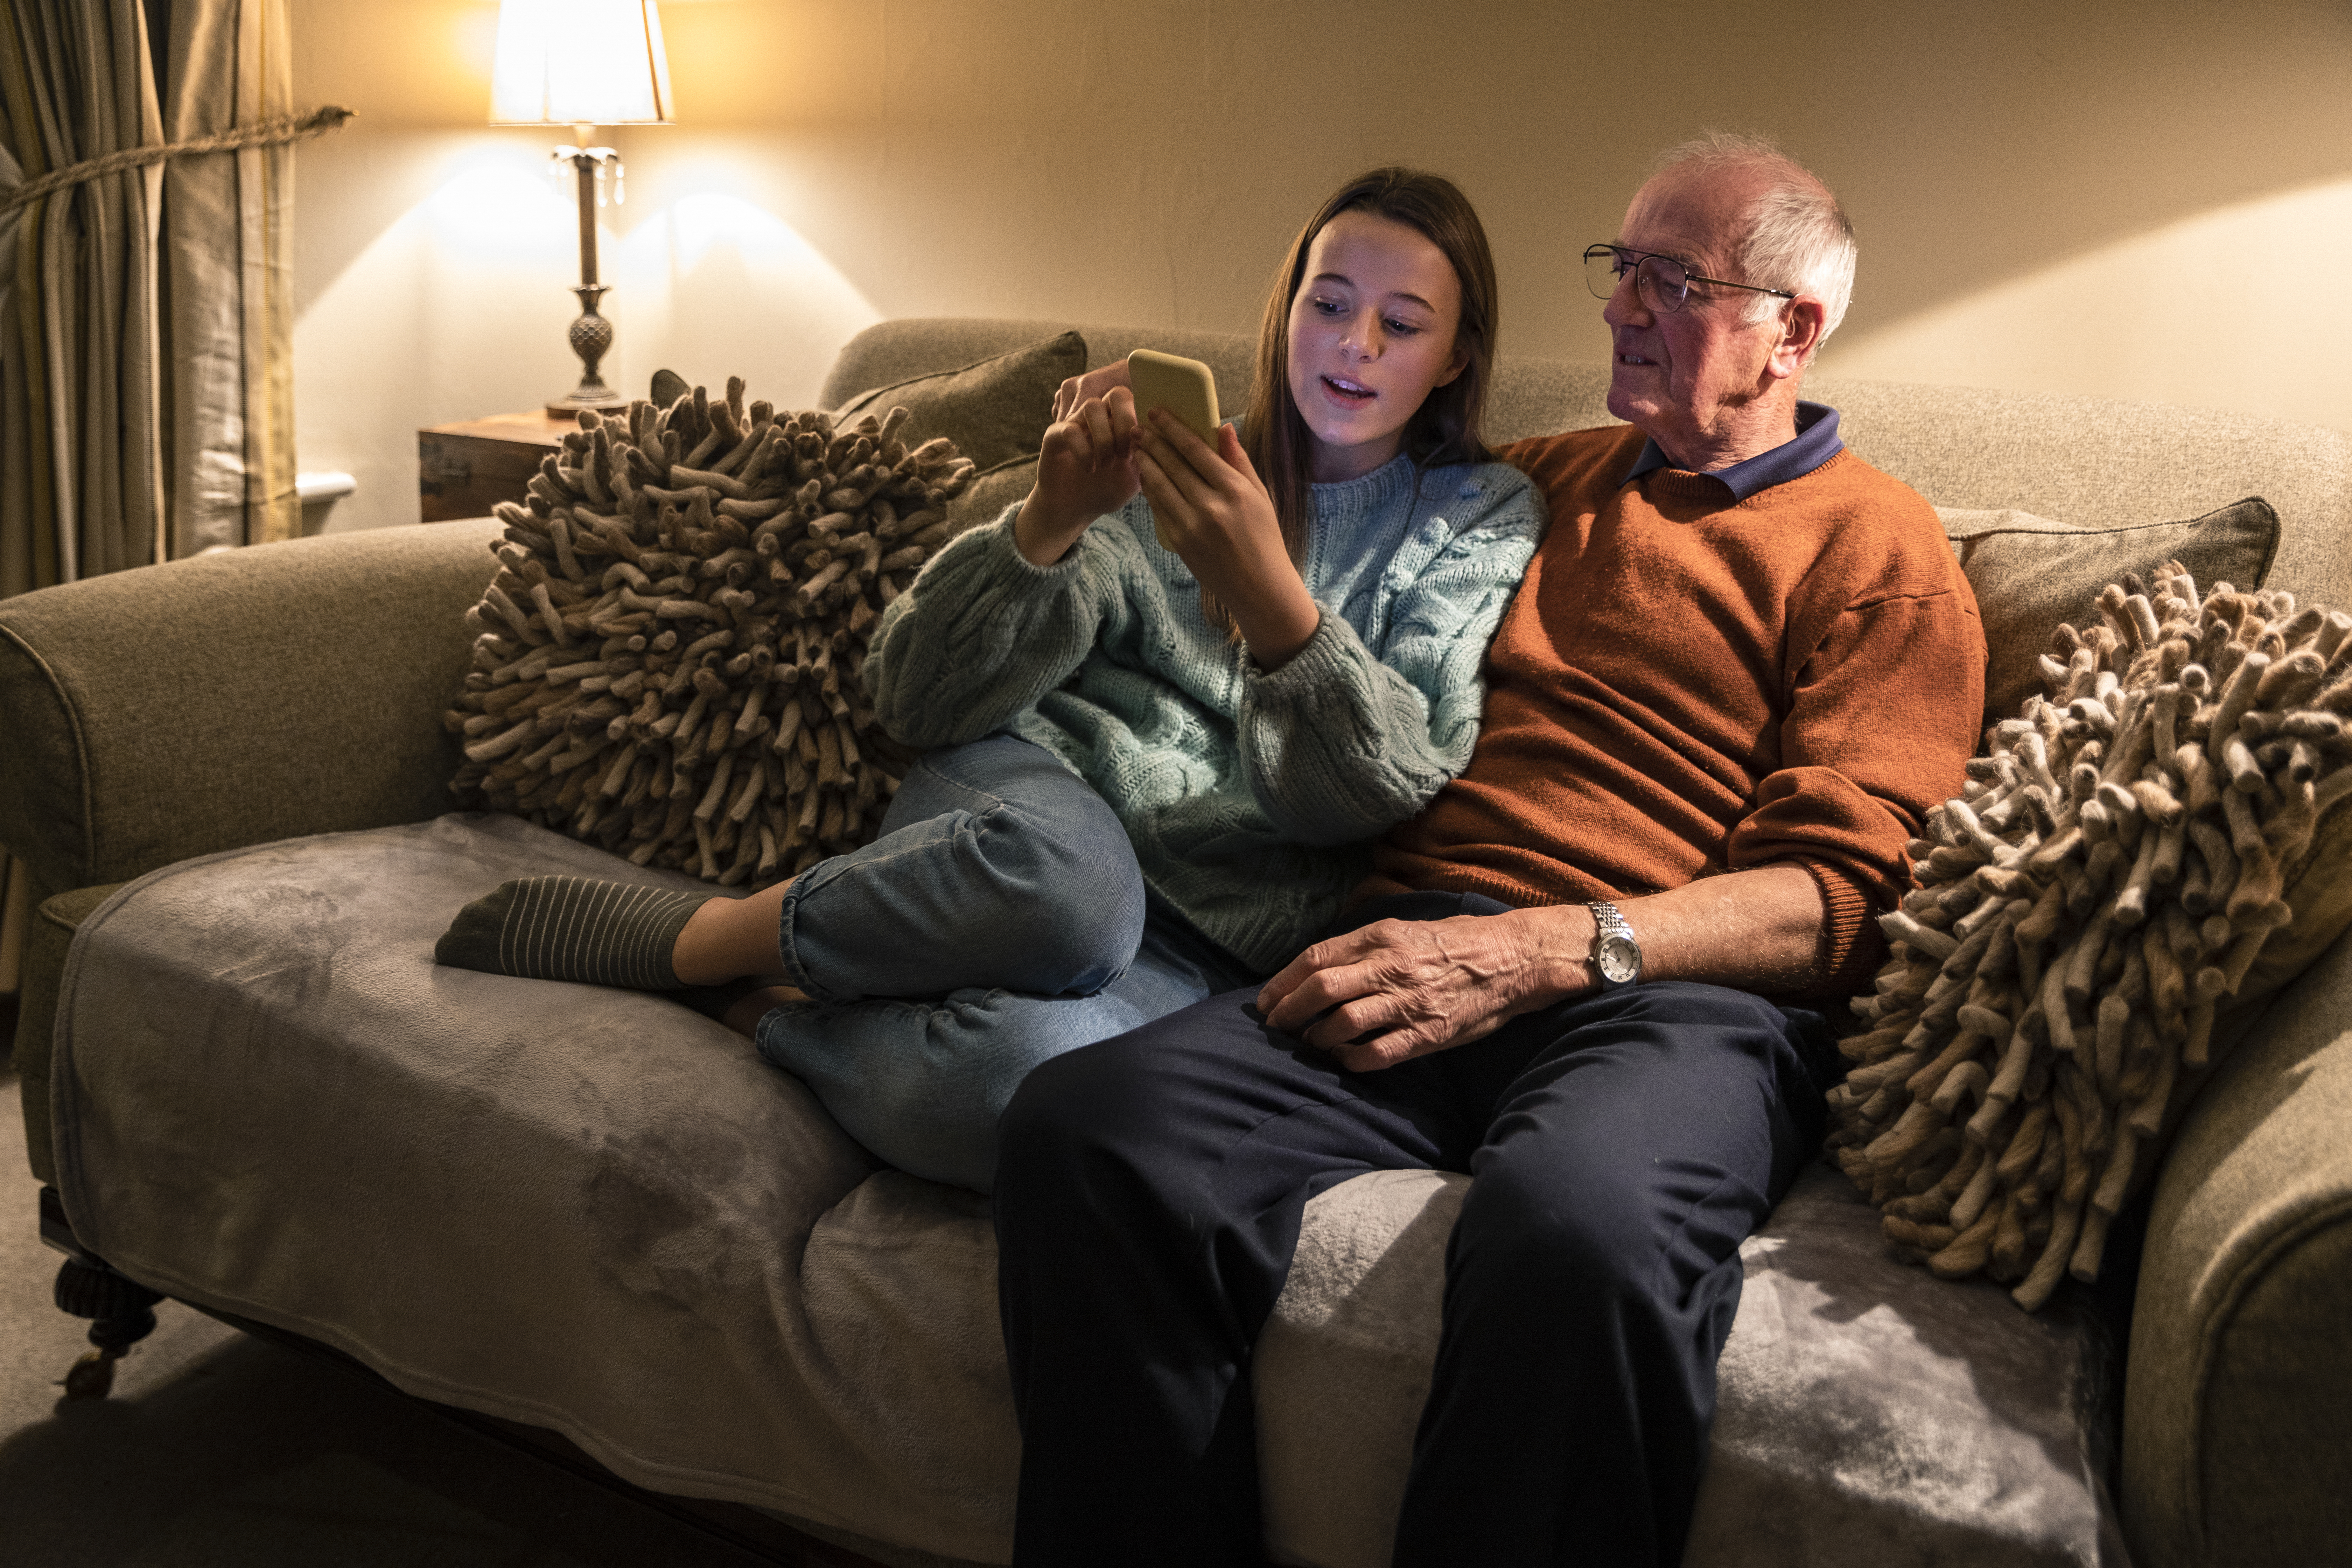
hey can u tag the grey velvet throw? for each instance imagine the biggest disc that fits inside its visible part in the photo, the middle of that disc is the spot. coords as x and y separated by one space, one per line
599 1212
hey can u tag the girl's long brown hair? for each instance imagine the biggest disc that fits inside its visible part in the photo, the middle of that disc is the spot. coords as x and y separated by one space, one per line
1446 427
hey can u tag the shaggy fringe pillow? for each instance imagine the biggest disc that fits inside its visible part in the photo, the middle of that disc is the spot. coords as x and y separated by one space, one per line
2104 883
667 662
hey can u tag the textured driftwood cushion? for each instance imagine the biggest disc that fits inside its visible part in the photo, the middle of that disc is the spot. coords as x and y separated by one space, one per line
2115 872
667 662
2032 575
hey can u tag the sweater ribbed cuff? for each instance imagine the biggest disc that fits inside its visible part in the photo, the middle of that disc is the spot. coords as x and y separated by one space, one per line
1007 564
1852 945
1316 669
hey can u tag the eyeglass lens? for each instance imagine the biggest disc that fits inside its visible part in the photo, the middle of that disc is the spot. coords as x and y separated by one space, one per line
1664 282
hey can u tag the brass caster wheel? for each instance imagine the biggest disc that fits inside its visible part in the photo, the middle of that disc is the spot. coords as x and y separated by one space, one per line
92 1377
121 1311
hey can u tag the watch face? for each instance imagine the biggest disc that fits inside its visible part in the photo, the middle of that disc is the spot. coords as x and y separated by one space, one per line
1620 960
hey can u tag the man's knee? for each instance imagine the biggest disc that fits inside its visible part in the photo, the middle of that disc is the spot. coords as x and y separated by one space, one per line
1567 1224
1619 1233
1149 1111
1075 1110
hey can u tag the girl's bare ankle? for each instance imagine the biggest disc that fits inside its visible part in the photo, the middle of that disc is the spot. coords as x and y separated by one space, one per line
697 955
745 1016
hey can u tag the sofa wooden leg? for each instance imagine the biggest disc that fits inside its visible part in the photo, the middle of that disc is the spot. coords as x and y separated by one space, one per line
122 1314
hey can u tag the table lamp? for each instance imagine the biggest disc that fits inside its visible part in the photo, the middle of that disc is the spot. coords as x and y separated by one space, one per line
583 63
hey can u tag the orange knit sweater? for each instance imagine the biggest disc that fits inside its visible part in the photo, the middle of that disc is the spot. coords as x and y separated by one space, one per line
1686 684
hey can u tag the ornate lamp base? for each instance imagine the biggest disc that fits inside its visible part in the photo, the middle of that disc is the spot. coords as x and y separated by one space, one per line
592 334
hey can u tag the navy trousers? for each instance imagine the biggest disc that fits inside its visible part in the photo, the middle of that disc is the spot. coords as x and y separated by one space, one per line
1149 1195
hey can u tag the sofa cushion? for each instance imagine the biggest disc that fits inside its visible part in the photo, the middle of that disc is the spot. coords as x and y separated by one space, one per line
985 498
49 936
995 410
481 1185
2030 574
1865 1414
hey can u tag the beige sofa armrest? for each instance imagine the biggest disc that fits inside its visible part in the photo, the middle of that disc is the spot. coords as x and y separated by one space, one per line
234 699
2238 1401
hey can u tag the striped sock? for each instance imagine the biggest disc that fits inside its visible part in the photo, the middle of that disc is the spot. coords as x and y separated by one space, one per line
573 928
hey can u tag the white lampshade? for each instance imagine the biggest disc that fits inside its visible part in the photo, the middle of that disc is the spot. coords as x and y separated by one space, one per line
580 62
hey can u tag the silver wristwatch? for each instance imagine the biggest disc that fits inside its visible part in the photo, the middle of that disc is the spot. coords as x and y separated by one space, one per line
1615 954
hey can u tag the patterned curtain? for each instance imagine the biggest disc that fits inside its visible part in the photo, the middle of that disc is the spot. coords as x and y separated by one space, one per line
146 317
146 337
228 237
81 476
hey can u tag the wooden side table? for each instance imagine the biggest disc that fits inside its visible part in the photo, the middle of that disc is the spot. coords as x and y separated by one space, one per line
465 469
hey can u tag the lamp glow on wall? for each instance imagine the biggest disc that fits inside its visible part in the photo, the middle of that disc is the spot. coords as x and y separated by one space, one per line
583 63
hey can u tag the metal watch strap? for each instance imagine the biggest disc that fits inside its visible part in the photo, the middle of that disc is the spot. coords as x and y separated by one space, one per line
1610 928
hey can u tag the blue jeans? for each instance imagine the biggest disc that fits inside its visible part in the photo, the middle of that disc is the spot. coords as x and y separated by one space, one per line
999 919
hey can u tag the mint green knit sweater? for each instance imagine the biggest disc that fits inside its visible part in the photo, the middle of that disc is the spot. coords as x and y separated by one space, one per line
1246 796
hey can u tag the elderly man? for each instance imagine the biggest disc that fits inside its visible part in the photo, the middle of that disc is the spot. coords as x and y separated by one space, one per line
1741 668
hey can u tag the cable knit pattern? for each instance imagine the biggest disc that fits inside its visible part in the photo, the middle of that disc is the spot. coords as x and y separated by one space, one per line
1247 795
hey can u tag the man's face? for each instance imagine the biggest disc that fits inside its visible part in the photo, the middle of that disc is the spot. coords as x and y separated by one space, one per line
1691 379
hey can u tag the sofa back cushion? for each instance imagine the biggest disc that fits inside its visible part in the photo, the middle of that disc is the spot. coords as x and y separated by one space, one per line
2034 574
995 409
2092 462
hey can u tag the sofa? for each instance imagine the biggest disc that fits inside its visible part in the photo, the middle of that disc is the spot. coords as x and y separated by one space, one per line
599 1214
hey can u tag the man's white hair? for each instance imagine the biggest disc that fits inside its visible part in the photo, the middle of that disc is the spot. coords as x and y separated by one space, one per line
1797 236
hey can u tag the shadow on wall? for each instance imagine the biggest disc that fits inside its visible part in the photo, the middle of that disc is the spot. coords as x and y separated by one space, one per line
2165 316
2071 199
484 252
954 158
457 304
729 289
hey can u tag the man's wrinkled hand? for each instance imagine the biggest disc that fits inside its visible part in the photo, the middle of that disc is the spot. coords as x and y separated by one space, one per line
1396 989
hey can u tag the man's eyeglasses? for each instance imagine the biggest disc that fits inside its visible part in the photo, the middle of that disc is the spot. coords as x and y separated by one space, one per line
1664 282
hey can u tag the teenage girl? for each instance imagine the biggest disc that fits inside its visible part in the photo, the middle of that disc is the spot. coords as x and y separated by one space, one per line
1148 770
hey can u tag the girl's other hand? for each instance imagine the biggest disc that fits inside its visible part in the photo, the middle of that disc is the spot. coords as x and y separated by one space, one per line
1212 503
1085 470
1095 383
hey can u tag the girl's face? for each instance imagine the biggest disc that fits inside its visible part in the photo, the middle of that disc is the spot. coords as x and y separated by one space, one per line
1371 332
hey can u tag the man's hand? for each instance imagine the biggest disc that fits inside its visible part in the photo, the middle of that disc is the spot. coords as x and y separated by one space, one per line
1404 988
1396 989
1085 470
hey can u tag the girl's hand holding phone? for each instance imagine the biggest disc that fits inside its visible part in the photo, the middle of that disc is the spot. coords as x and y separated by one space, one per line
1214 512
1085 470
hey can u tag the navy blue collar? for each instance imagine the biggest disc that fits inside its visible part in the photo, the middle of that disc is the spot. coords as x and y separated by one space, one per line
1815 443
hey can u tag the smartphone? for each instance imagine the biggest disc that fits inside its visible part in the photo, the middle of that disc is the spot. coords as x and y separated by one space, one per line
1186 388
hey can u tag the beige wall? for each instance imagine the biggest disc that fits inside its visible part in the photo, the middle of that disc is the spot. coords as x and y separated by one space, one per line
2150 200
